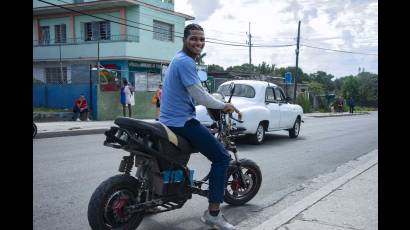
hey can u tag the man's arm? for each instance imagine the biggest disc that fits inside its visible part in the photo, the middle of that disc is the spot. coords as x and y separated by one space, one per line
204 98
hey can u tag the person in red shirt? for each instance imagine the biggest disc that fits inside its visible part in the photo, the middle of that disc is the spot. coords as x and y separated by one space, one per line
80 107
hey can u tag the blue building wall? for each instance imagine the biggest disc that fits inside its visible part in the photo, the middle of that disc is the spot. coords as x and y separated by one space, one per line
63 96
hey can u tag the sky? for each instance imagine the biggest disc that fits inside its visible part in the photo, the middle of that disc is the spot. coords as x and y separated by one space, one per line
346 25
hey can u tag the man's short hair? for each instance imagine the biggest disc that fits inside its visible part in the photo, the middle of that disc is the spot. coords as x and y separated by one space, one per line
190 27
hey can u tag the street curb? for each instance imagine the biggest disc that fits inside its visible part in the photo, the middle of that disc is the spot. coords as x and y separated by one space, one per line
70 133
336 115
286 215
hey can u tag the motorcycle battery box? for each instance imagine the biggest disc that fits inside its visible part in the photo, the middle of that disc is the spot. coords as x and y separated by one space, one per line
170 182
172 176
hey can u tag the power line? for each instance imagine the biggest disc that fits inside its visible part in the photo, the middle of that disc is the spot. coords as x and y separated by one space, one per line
342 51
220 43
155 27
123 23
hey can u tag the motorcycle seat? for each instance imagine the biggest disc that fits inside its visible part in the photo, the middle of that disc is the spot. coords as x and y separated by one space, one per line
158 129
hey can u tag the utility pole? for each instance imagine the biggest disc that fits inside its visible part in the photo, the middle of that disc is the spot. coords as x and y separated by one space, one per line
61 64
91 92
250 44
297 62
98 57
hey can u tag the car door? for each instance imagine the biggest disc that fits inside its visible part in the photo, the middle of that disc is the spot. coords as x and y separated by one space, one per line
273 107
286 114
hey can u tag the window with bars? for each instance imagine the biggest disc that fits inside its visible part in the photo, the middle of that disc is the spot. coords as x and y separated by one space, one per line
168 1
44 35
53 75
163 31
60 33
97 30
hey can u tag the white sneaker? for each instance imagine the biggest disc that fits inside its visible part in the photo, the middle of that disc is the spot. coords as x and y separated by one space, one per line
78 119
88 119
217 222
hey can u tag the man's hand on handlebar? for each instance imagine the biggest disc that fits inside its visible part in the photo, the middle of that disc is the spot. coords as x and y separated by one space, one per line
229 108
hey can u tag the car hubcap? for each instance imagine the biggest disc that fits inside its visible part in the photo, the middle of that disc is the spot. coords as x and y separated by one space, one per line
259 133
297 125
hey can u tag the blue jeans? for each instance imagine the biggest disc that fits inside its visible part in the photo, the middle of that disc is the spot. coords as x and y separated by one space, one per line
77 112
202 139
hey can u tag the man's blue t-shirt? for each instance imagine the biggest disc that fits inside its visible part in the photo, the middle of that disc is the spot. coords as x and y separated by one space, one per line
177 105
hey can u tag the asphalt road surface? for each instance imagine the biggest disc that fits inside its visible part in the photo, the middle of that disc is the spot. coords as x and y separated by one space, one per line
66 171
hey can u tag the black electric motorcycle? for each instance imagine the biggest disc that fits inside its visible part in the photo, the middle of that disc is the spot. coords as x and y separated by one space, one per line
162 181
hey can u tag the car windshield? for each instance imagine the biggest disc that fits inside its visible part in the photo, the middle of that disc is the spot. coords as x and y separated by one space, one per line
240 90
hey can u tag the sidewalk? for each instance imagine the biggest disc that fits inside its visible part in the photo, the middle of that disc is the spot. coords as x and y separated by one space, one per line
73 128
334 114
350 202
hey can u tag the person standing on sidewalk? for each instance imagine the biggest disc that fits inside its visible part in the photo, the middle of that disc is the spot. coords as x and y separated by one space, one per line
351 105
158 95
126 98
181 90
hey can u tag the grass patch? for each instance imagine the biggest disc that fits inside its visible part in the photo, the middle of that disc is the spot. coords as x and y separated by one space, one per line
364 109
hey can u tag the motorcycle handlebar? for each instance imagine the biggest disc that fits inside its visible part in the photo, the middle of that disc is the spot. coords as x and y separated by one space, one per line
230 116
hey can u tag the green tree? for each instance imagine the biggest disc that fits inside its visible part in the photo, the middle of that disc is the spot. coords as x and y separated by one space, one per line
215 68
337 83
368 89
244 68
350 87
324 79
265 69
316 88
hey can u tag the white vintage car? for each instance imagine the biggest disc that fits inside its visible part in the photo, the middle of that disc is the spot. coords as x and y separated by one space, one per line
264 108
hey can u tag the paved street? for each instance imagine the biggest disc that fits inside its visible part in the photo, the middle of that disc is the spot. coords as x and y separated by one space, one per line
67 170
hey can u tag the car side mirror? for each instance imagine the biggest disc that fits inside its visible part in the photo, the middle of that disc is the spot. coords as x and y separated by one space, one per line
288 99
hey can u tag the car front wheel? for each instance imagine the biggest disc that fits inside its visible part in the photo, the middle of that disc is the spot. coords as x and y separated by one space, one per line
294 132
259 136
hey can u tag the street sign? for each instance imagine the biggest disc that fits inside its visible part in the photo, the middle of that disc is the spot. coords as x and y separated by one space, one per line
288 77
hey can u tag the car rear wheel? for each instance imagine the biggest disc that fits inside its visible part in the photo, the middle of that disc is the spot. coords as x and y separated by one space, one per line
259 136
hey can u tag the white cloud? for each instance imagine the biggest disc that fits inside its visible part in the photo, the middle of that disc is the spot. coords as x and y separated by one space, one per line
343 25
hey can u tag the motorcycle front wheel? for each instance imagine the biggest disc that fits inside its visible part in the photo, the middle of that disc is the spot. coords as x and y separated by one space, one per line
107 208
239 191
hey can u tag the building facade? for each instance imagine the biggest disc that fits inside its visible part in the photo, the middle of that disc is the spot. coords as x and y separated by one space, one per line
136 38
88 47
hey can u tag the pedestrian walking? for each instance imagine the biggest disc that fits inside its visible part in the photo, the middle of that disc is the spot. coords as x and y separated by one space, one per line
125 97
351 105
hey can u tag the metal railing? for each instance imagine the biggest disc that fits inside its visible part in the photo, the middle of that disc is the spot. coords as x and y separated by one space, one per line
87 40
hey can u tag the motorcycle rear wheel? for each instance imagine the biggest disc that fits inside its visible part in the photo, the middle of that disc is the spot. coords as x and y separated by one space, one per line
237 193
106 209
